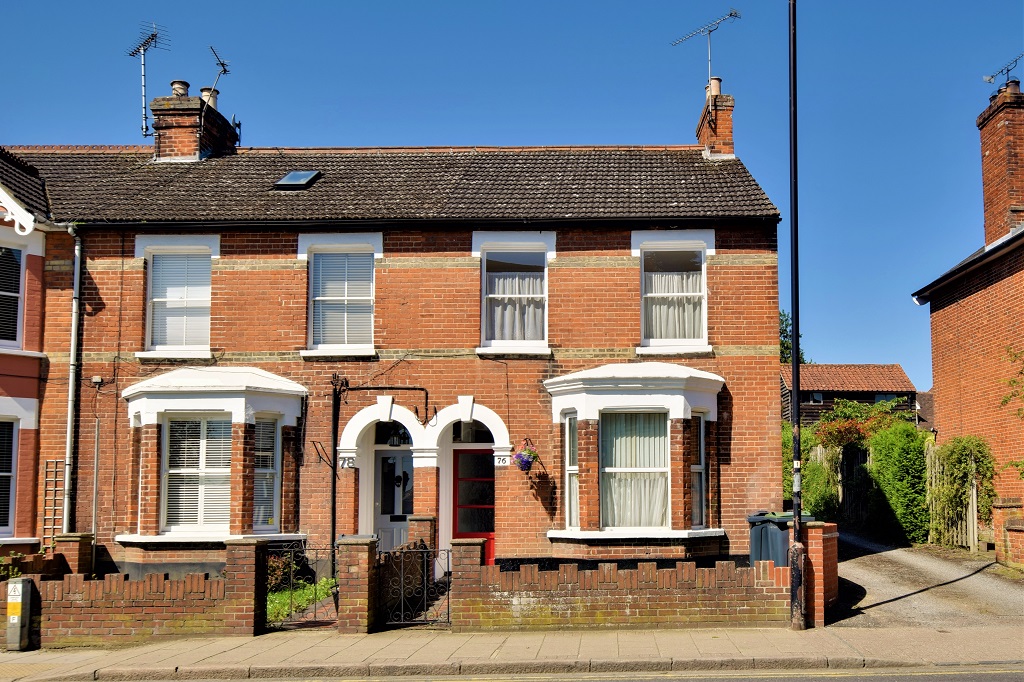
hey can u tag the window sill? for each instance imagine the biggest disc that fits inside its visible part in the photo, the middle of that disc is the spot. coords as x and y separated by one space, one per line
634 534
21 353
674 350
339 352
174 355
19 541
200 538
513 350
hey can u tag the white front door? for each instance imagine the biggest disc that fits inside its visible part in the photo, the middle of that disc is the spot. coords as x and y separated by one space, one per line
392 497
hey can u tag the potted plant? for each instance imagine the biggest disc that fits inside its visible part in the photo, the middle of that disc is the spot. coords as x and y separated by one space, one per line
526 455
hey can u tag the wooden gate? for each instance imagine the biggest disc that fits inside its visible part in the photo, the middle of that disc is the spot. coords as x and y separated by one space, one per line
957 527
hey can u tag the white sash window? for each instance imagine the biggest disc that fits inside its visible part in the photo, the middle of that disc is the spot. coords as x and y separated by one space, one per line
197 474
341 299
179 301
8 444
674 296
515 298
10 295
266 484
634 481
572 473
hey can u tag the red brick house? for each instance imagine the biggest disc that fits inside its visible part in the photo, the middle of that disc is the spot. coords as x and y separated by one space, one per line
975 318
821 385
617 306
23 232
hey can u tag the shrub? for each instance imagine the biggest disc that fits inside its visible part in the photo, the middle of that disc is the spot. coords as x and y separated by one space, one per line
963 459
899 469
820 494
807 444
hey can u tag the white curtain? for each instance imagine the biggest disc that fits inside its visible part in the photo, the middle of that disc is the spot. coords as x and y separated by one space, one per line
673 305
515 306
638 442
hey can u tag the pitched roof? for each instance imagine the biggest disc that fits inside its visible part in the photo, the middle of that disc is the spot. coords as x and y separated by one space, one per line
124 184
979 258
22 181
859 378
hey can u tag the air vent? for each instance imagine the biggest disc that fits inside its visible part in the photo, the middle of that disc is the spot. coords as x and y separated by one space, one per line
298 180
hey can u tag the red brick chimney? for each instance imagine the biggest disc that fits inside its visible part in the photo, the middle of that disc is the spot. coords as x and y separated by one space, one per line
190 128
1002 161
715 128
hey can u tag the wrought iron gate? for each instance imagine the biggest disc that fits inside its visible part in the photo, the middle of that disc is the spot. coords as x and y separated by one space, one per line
414 584
302 590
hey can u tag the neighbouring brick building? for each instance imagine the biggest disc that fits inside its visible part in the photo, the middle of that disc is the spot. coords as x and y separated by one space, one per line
821 385
975 318
252 317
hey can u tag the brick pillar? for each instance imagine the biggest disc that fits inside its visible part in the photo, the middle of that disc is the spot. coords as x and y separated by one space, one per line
357 584
243 462
821 570
148 457
77 551
423 527
467 587
589 474
348 501
245 586
681 456
290 447
1007 512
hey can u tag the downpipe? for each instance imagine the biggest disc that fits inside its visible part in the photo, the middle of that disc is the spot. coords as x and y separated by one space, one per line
69 444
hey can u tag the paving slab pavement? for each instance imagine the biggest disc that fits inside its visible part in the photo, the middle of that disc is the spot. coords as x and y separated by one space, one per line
323 653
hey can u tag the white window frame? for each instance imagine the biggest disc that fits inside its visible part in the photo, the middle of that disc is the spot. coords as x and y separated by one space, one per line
274 472
202 470
348 243
702 241
147 246
485 243
8 530
666 470
699 470
19 313
572 471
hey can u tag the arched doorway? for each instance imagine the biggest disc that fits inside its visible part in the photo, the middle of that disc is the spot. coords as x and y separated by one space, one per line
473 484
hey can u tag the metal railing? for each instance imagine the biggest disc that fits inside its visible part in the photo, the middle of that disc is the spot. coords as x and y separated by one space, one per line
414 584
301 589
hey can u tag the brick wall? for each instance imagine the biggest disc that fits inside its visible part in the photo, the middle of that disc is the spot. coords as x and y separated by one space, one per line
76 611
427 325
485 598
821 570
1008 531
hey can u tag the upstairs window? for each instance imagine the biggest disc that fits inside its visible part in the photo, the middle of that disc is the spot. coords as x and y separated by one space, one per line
674 297
10 295
341 299
197 474
515 297
179 302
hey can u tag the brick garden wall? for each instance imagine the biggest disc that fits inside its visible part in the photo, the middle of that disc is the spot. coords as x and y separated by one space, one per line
485 598
75 611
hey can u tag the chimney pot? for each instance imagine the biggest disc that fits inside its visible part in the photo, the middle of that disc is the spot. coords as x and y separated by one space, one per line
714 88
209 96
179 88
1013 87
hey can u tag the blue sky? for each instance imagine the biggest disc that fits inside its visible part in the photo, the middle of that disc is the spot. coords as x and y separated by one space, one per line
890 180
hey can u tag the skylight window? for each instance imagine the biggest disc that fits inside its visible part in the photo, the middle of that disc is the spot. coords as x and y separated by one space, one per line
299 179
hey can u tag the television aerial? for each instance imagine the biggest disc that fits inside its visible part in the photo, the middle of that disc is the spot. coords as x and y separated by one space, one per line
151 36
1007 68
707 30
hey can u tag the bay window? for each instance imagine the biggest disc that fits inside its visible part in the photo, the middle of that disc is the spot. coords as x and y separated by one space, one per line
197 473
572 473
634 481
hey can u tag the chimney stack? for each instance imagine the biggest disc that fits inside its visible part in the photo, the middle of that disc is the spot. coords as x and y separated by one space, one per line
1002 161
714 130
190 128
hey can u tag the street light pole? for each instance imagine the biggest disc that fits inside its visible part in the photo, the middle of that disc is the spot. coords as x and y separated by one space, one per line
797 550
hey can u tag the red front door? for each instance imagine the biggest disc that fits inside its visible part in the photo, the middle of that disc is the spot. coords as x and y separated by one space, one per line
474 498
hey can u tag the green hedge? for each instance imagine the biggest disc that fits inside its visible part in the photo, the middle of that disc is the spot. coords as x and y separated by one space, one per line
899 470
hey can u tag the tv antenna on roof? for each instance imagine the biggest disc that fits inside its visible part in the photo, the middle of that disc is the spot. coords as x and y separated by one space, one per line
213 93
707 30
1010 66
150 37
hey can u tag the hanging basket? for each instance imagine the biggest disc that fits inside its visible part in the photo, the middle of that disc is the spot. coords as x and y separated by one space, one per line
526 455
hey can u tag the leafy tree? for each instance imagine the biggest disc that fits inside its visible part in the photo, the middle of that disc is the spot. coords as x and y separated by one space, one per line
853 423
786 340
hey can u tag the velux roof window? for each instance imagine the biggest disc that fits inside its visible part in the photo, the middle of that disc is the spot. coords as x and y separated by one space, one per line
297 180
